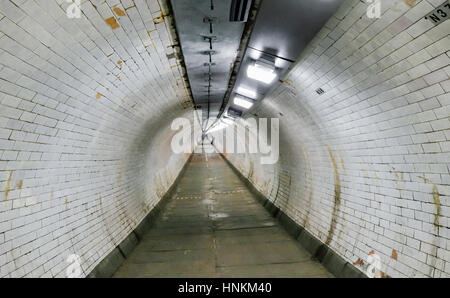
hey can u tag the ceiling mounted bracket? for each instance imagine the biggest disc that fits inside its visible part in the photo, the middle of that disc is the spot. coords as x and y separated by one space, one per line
209 52
209 38
209 20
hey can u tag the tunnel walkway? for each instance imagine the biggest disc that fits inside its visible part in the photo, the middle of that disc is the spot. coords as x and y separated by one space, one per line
214 227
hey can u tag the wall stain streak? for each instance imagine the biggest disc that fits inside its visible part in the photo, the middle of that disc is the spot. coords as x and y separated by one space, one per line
399 176
8 185
289 83
437 202
342 161
311 188
159 19
435 241
337 197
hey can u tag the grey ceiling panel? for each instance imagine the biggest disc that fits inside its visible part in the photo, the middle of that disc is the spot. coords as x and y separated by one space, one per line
285 27
209 42
282 30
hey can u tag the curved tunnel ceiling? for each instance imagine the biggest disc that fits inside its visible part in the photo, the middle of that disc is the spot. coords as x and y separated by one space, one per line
210 43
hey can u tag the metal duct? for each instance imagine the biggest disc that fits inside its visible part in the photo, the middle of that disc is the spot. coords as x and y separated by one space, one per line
240 10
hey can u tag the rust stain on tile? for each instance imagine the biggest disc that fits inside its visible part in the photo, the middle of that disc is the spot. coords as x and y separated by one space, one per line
8 185
410 3
358 262
399 176
98 96
19 184
337 197
311 187
119 12
112 23
159 19
120 64
372 252
394 254
436 200
288 82
342 160
437 203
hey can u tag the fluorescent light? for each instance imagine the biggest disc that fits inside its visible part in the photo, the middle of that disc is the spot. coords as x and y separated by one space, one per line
262 72
223 123
246 92
239 101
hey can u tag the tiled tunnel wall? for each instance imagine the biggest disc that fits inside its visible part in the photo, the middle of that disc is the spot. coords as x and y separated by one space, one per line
85 112
365 166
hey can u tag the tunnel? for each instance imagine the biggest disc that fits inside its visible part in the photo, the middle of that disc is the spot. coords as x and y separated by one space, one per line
224 138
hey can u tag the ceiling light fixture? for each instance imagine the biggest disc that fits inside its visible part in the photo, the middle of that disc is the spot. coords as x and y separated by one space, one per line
240 101
262 72
221 124
246 92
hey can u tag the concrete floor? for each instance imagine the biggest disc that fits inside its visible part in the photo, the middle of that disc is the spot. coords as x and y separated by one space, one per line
214 227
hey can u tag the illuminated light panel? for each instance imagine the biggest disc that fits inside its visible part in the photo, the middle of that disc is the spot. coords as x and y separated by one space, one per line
246 92
239 101
261 72
222 124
